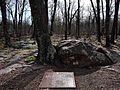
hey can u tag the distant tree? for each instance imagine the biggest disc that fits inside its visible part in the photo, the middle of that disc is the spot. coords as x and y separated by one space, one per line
14 14
45 48
98 21
22 7
53 17
66 20
78 21
15 24
71 14
107 23
97 16
4 23
103 18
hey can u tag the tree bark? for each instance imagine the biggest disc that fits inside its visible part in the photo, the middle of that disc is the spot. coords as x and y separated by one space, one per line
46 50
115 22
4 23
46 8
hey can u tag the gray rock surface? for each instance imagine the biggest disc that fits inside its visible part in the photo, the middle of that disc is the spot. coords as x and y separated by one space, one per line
77 53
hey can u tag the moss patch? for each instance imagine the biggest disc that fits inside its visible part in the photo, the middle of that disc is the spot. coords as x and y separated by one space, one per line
30 59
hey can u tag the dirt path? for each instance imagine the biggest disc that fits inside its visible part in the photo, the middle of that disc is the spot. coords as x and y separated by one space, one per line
29 78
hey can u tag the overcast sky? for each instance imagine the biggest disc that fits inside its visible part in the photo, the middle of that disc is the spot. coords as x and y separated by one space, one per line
85 3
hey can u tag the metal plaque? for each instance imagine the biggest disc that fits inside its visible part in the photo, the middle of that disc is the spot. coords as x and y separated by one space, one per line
58 80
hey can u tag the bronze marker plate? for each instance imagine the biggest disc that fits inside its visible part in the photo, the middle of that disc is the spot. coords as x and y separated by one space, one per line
58 80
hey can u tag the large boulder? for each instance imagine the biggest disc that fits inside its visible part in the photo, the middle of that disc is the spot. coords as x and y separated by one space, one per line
77 53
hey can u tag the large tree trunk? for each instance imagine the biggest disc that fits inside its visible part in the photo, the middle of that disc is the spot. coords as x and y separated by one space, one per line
115 22
4 23
46 50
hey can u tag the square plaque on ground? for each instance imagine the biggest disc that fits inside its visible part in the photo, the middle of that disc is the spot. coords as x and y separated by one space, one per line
58 80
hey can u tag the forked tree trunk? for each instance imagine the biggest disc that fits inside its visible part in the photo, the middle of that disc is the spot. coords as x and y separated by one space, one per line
97 16
46 50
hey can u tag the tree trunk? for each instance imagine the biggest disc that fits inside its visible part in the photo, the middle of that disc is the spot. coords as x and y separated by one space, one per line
78 20
46 8
46 50
66 19
98 21
53 17
15 19
103 18
69 27
107 22
97 16
115 22
4 23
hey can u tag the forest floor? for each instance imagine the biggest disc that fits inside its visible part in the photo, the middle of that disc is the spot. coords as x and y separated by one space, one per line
16 74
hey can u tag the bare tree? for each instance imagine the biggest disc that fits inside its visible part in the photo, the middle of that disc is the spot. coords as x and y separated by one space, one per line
98 21
107 23
78 21
103 18
15 18
66 20
53 17
21 11
97 16
71 15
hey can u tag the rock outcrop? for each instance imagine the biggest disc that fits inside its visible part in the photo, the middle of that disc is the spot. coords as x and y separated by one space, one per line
77 53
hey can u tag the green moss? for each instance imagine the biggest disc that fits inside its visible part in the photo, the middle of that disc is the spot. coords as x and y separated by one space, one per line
30 59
